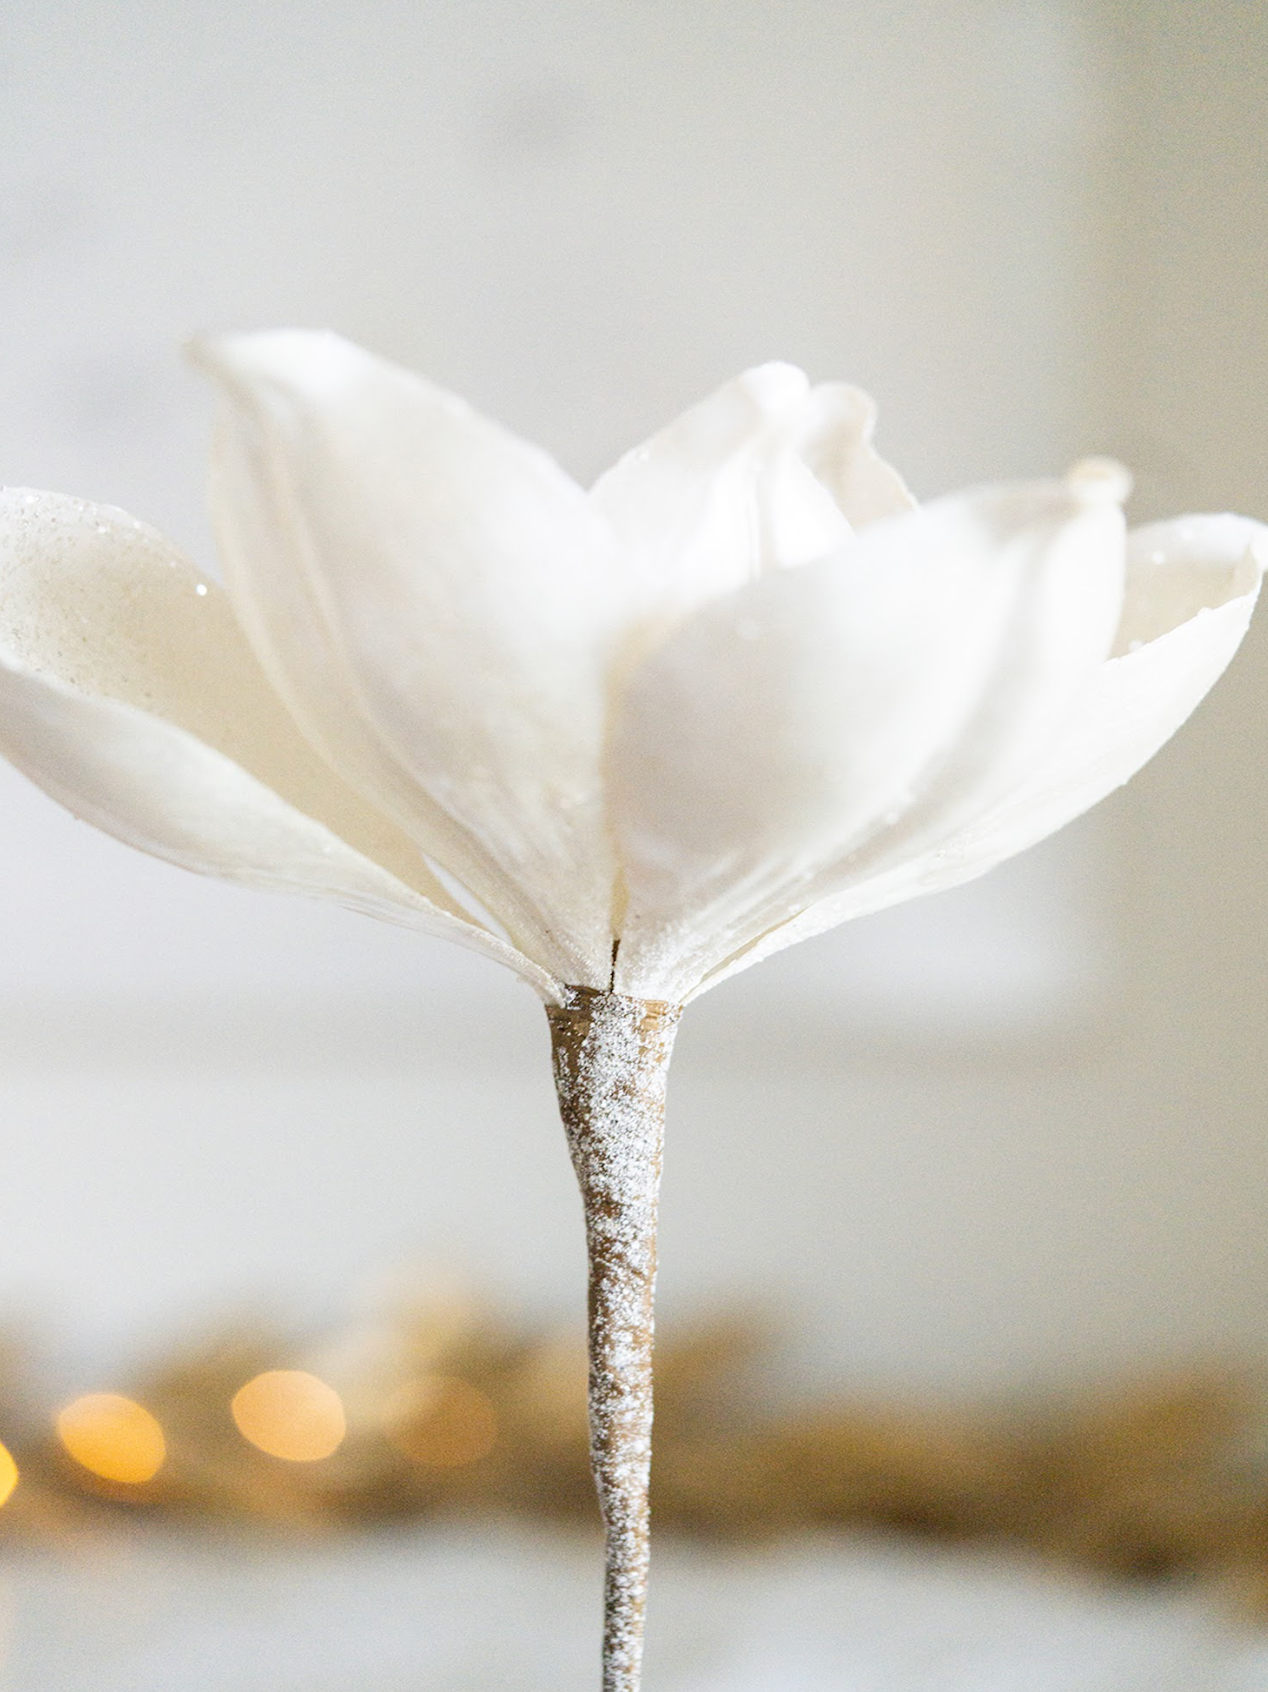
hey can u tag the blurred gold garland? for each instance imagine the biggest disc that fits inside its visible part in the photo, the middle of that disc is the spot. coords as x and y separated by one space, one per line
448 1408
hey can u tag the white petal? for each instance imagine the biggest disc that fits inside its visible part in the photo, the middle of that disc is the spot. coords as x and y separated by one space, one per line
767 472
1192 586
824 718
437 604
128 692
836 442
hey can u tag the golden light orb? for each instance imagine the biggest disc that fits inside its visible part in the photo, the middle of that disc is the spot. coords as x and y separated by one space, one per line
290 1414
113 1437
8 1474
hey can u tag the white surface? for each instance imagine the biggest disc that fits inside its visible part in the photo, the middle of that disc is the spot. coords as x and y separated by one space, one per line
484 1611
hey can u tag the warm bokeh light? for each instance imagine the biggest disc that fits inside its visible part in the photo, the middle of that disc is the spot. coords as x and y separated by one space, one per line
289 1413
442 1421
112 1437
8 1474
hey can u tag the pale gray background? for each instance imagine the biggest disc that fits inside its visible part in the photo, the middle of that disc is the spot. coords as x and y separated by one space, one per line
1013 1131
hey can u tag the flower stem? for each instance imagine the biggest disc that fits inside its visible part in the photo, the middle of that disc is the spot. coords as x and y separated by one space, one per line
611 1056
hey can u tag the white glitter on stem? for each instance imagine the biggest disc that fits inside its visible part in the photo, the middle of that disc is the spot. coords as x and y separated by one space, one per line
611 1057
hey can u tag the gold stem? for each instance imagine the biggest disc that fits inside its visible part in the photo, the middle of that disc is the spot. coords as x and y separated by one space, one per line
611 1056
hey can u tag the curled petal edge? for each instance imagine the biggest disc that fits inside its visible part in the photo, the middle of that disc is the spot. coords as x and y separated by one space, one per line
764 473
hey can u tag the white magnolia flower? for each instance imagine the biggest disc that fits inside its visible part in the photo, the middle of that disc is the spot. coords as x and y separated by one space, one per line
626 741
639 737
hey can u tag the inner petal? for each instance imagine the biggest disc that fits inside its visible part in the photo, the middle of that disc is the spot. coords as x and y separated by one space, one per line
1175 570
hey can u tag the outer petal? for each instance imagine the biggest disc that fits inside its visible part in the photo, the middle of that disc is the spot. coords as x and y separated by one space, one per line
437 604
1191 588
128 692
767 472
822 717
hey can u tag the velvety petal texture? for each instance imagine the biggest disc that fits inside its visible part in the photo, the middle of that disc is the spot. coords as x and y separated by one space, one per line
128 692
438 605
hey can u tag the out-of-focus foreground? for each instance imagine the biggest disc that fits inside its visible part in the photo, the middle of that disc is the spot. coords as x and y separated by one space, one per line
447 1410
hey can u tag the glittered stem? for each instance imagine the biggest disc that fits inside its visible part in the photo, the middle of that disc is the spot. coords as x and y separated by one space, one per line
611 1059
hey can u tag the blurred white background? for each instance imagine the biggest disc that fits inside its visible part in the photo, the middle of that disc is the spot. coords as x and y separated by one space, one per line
1016 1131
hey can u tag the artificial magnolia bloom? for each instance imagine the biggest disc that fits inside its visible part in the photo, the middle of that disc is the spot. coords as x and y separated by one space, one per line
626 741
635 738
